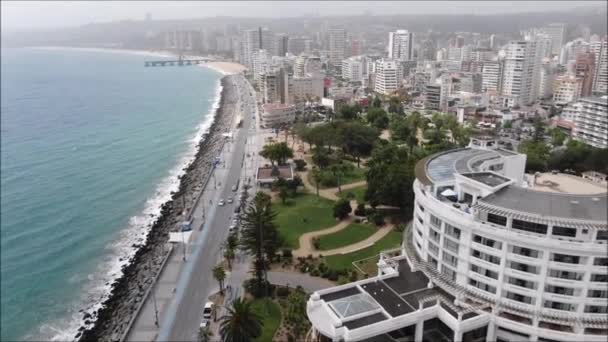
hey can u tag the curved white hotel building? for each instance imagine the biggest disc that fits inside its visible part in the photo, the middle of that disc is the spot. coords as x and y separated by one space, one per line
487 258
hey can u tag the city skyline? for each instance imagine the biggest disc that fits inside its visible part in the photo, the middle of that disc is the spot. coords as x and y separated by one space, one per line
45 15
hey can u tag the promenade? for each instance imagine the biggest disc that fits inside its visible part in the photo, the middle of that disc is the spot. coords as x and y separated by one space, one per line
184 286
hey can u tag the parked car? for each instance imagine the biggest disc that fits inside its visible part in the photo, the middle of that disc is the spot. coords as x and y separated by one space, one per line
221 202
207 309
230 200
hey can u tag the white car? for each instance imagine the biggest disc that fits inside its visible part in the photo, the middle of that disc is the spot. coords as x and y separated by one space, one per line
221 202
204 324
207 310
230 200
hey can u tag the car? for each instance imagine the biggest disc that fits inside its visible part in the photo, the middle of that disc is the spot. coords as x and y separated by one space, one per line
204 324
237 209
230 200
235 221
207 309
221 202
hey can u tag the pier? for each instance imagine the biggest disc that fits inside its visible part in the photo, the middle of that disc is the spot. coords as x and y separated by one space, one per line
179 62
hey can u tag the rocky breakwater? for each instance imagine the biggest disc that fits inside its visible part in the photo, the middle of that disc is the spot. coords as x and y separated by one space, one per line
112 319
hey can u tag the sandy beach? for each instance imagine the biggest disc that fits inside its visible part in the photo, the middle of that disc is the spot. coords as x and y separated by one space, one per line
111 321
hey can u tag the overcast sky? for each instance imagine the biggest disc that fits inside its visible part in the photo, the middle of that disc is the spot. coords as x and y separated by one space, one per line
44 14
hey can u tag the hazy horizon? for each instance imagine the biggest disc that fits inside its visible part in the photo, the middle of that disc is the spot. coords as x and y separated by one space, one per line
34 15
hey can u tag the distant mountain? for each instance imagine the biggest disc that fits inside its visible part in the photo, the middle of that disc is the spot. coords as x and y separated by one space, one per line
145 34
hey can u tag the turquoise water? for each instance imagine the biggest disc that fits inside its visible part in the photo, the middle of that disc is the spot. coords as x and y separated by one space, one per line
92 144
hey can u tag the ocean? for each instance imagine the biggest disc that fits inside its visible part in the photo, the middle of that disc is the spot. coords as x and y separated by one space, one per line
92 144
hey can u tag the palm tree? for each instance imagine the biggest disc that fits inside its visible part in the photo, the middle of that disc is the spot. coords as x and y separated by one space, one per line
220 275
316 176
241 323
229 255
205 334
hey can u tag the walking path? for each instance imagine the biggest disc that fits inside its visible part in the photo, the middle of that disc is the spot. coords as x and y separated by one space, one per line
306 239
309 284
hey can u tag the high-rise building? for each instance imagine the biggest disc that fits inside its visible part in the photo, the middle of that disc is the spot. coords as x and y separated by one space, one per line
427 50
313 65
493 41
299 65
591 123
482 55
281 44
545 84
296 45
307 88
387 76
520 68
557 32
600 50
267 39
584 68
261 64
352 69
337 46
400 45
566 89
254 40
274 86
356 47
489 256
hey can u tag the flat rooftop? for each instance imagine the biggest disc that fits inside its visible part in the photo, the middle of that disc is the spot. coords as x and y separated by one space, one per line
565 183
265 173
487 178
383 299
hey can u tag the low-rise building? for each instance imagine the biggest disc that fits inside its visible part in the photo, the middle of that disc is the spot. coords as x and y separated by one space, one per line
566 89
276 114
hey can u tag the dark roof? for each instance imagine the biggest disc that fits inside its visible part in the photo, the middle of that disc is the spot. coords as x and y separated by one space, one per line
367 320
407 280
340 294
391 302
567 206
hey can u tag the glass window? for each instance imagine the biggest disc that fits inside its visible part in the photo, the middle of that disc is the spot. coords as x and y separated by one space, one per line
602 235
566 291
564 231
482 285
522 283
497 219
448 272
450 259
435 221
600 262
450 245
565 258
527 252
596 309
486 257
603 278
565 274
597 293
523 267
519 297
484 272
452 231
559 306
487 242
537 228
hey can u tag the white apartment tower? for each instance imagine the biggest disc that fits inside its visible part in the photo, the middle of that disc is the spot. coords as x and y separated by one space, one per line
600 50
519 82
557 32
337 46
387 76
353 69
489 256
400 45
491 76
591 123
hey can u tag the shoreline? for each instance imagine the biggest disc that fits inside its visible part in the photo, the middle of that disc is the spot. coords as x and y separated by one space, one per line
126 292
223 67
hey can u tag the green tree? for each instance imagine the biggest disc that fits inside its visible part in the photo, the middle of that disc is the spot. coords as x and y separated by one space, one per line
357 139
390 176
395 106
205 334
539 129
229 255
220 275
347 112
557 136
320 156
277 152
316 177
377 117
339 170
537 155
295 313
283 194
342 209
259 237
377 103
241 323
508 124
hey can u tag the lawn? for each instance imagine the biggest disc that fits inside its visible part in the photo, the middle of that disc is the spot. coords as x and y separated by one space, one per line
344 261
302 214
271 312
353 233
353 175
359 193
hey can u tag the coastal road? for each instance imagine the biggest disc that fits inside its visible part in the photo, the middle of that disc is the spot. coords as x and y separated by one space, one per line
184 314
